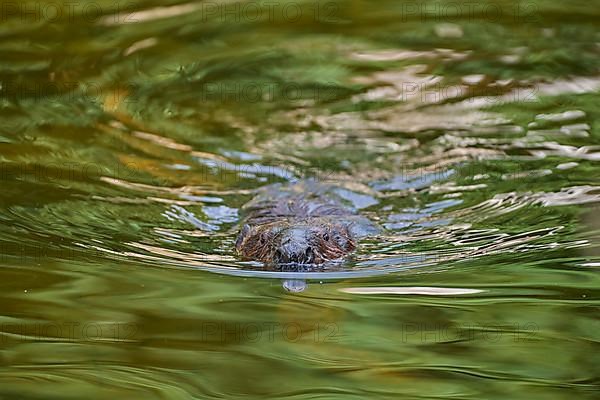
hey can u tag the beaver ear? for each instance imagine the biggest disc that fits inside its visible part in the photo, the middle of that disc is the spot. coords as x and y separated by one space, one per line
343 239
349 244
243 233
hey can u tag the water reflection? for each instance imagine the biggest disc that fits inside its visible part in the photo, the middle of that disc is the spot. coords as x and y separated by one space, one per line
132 134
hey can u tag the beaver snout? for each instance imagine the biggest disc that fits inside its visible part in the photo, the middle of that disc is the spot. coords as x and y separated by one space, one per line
294 254
294 247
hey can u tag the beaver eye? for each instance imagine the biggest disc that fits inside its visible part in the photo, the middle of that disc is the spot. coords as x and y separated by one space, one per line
326 236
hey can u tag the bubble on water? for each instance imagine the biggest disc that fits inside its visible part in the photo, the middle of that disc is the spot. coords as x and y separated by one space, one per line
294 285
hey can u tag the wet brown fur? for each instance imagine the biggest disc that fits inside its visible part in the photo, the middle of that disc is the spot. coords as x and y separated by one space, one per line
330 238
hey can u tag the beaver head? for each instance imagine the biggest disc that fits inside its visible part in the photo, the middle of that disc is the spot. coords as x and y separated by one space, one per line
298 243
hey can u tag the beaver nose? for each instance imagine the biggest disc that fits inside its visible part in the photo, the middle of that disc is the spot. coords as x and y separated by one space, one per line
287 254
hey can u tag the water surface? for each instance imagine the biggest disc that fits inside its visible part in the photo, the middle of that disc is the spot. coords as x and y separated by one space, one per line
132 133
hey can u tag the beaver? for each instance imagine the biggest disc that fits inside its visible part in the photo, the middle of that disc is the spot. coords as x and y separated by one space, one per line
305 223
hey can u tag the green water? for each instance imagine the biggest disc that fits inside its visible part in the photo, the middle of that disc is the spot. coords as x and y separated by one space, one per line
132 132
